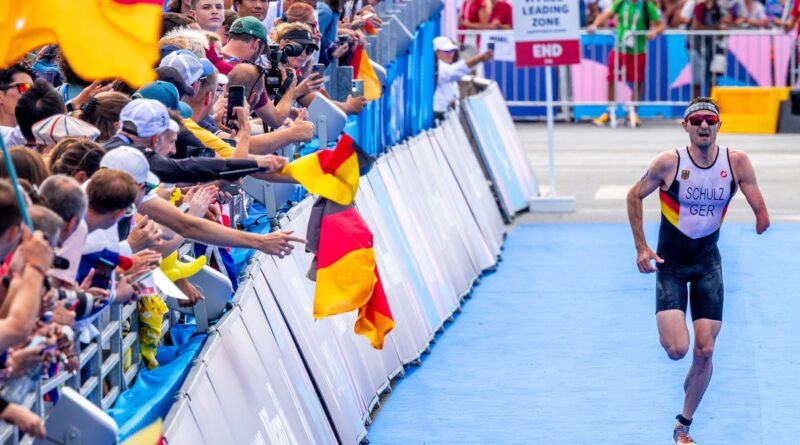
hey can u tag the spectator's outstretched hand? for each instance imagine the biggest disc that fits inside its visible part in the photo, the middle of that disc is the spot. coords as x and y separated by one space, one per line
302 129
143 262
242 119
22 360
190 291
89 92
35 250
355 104
340 50
144 235
279 243
310 84
272 163
24 419
220 111
200 198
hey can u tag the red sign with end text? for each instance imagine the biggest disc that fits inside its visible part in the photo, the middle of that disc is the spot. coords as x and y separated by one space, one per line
548 53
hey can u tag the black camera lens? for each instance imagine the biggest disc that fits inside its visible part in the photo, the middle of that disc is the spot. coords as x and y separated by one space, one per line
293 49
60 263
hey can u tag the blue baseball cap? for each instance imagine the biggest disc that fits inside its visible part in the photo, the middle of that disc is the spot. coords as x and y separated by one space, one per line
167 94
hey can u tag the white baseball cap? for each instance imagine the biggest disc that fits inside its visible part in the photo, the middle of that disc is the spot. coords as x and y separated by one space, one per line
190 67
146 117
131 161
443 43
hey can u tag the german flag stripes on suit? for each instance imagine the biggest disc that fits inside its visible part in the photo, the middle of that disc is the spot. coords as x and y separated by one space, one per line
345 270
101 39
332 173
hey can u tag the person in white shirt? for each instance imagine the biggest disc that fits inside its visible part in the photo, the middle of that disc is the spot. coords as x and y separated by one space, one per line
14 81
449 72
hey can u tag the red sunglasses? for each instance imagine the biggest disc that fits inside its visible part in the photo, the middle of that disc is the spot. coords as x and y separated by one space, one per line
21 87
710 119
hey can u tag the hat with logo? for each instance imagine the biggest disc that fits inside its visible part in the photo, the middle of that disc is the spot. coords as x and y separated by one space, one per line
249 25
442 43
145 118
53 129
131 161
167 94
189 66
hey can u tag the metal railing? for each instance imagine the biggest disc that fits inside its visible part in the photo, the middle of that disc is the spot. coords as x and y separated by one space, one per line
679 65
101 376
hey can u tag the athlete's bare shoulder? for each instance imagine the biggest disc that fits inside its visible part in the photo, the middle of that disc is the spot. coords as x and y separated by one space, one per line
664 165
737 155
740 164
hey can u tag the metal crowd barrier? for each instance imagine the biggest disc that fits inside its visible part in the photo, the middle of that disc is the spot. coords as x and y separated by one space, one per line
101 360
270 373
679 64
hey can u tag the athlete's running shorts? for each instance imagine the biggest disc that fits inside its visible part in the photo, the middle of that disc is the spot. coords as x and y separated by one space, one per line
705 291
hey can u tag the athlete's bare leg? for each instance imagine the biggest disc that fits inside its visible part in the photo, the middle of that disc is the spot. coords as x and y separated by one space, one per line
673 333
705 335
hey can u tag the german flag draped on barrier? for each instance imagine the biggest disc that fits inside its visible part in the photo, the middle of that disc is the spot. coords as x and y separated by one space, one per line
344 266
332 174
129 27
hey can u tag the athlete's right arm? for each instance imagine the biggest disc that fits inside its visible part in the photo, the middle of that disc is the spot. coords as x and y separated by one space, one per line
655 176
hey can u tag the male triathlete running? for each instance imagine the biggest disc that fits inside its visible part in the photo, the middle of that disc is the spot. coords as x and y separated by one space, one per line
696 185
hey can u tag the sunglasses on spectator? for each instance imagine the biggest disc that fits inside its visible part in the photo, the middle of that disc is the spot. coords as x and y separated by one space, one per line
710 119
21 87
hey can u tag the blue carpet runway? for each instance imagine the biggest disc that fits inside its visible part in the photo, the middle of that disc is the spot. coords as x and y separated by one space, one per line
560 347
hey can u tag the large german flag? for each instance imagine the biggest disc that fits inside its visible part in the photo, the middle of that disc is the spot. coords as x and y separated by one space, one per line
332 174
345 270
101 39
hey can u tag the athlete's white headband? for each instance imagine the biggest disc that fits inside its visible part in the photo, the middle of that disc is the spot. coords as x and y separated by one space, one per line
700 106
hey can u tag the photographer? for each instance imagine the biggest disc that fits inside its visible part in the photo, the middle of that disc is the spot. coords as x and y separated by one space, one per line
297 44
449 72
248 40
251 77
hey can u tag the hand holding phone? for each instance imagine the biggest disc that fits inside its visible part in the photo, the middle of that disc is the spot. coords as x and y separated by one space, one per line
235 99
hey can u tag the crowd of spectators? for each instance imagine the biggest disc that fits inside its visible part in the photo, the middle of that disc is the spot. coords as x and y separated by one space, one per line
116 178
742 14
635 22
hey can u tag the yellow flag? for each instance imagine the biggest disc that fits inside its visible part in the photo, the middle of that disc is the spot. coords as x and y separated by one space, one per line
101 39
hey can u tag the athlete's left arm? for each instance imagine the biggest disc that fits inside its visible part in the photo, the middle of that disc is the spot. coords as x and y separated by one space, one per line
746 176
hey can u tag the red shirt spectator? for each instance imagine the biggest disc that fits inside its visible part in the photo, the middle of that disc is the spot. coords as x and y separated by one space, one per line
795 14
501 16
471 14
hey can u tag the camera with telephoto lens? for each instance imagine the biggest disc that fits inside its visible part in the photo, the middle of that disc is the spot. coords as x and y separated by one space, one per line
279 56
272 77
79 301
